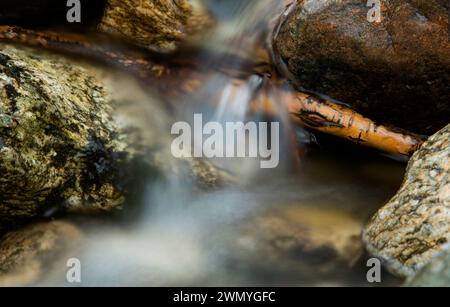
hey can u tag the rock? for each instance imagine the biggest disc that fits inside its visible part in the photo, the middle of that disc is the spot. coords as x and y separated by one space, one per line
27 254
301 241
60 141
206 175
154 24
415 225
396 71
434 274
78 137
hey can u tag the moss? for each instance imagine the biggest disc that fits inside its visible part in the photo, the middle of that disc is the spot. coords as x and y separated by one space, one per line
59 139
71 138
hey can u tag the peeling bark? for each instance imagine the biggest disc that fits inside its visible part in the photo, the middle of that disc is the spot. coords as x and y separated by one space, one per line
341 121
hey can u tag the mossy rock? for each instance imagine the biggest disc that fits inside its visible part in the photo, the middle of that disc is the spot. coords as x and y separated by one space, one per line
59 139
78 137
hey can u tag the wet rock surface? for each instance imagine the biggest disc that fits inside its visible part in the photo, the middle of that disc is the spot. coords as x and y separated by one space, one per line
159 24
59 139
396 71
72 138
415 225
26 255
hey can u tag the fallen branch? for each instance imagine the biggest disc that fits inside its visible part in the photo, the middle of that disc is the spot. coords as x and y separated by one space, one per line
92 46
341 121
335 118
181 78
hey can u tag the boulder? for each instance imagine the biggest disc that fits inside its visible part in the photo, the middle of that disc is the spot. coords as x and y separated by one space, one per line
395 71
415 225
154 24
77 137
59 139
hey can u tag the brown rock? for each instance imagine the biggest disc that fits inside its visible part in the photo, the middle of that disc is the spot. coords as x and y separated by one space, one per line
415 225
153 24
396 71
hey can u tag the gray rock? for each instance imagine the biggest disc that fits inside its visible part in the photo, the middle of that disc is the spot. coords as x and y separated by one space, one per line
396 71
415 225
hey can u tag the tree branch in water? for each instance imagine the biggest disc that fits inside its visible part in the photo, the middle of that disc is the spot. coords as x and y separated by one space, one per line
306 109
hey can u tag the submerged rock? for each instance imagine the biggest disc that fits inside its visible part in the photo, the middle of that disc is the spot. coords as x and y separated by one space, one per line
415 225
156 24
310 243
396 71
27 254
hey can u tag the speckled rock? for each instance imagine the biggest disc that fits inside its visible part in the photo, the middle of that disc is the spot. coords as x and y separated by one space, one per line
434 274
396 71
154 24
415 225
27 254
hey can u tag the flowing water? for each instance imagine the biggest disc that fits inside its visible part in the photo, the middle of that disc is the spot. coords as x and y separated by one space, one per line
297 225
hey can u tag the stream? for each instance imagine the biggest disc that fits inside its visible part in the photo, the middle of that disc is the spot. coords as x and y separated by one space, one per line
298 225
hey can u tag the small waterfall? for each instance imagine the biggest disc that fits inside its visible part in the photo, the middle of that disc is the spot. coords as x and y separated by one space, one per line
239 38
